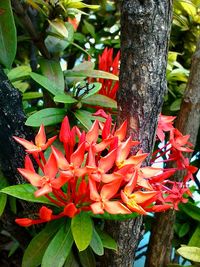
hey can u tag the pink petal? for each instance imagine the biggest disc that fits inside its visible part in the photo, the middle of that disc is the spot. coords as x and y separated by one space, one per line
110 190
46 189
116 207
40 138
97 208
121 131
107 162
93 133
28 145
78 156
60 158
50 168
32 177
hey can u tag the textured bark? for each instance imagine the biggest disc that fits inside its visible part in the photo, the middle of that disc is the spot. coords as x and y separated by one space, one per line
12 120
12 155
188 123
145 27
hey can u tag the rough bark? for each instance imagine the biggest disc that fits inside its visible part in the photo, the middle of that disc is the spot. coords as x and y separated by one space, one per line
145 27
12 155
188 123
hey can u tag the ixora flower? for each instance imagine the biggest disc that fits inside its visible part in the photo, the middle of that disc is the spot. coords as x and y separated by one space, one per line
95 172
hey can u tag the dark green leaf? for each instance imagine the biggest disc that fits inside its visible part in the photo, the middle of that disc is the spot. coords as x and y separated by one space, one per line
3 200
107 241
195 239
8 35
96 243
87 258
59 248
184 229
64 98
176 105
82 229
25 192
117 217
84 117
71 261
100 100
34 253
97 87
52 70
191 210
46 83
90 28
47 116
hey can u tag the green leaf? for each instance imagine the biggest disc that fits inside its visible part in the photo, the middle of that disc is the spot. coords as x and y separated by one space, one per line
190 253
176 105
184 229
8 35
87 258
61 34
91 73
96 243
82 229
64 98
96 88
195 239
100 100
90 28
25 192
59 248
52 70
3 200
107 240
34 253
84 117
32 95
47 116
191 210
46 83
19 73
71 261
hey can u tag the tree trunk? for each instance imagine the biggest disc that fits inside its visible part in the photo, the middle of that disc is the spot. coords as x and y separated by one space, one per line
12 120
188 123
145 27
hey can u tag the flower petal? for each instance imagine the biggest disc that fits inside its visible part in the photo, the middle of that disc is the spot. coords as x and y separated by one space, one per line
32 177
40 138
116 207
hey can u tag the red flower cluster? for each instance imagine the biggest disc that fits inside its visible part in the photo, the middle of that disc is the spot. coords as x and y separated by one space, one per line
107 63
96 172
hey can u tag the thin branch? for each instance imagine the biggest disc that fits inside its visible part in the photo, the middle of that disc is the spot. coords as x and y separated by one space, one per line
28 25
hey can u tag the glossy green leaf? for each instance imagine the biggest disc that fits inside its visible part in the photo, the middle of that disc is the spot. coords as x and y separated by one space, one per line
100 100
117 217
91 73
34 253
8 35
90 28
96 243
82 229
190 253
46 83
19 73
21 86
191 210
3 201
47 116
64 98
107 240
25 192
95 89
87 258
32 95
195 239
59 248
52 70
84 117
184 229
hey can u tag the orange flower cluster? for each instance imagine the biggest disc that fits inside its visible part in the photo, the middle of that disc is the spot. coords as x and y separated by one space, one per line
95 171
